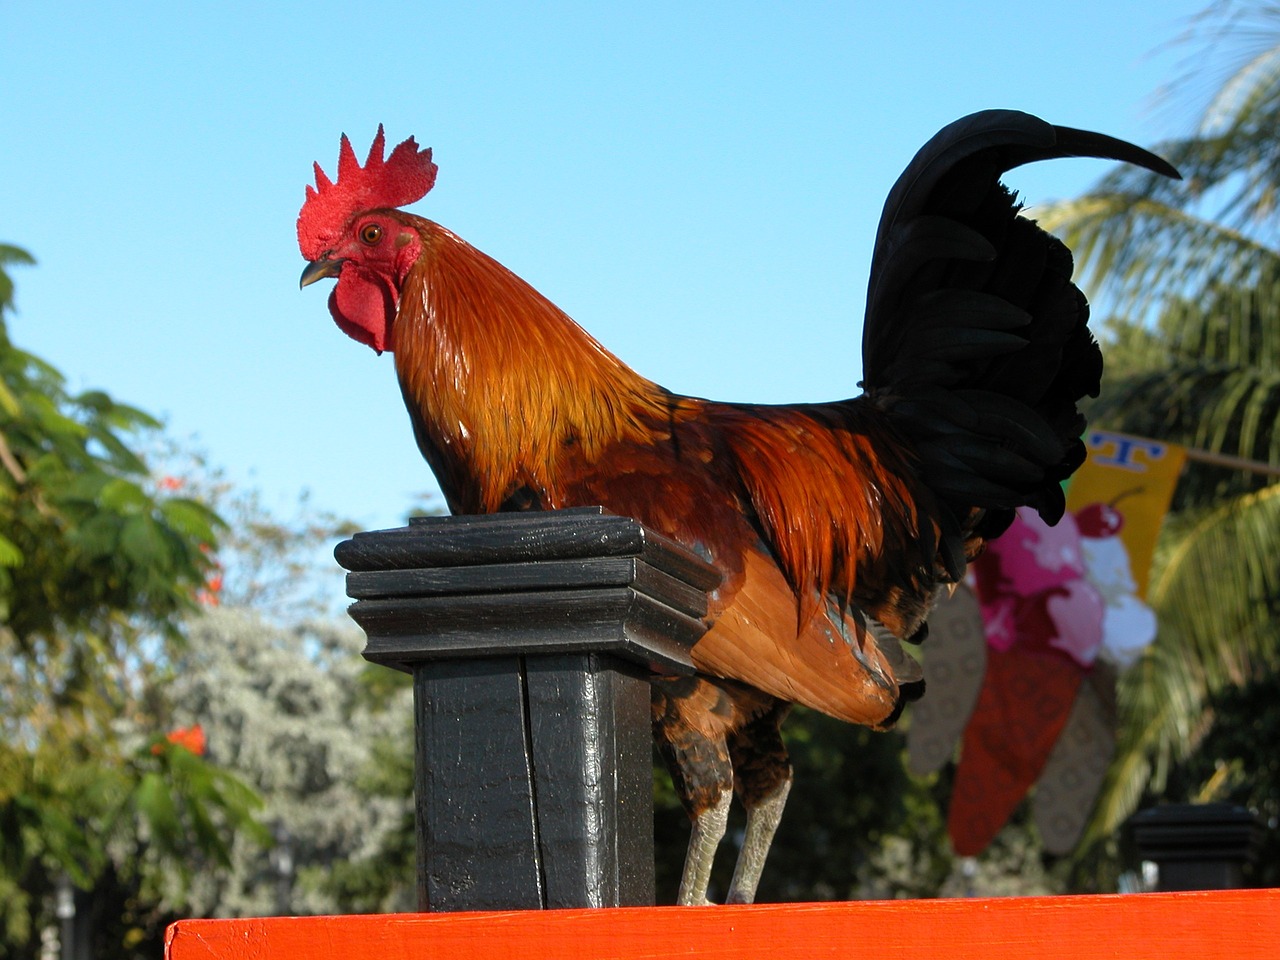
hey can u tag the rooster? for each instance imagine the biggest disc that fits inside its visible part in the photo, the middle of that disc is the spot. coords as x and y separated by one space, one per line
834 525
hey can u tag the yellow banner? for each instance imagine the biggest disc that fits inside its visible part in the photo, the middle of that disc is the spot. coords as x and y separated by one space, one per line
1123 490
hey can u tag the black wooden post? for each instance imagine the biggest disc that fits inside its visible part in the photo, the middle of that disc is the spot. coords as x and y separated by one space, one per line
530 637
1197 846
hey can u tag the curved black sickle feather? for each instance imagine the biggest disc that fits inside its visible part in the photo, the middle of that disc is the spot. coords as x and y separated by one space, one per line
967 157
976 340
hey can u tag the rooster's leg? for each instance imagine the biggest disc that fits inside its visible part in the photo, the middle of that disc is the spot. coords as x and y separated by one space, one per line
690 717
762 823
708 830
762 776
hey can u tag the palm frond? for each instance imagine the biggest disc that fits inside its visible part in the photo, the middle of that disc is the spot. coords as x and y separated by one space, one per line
1249 93
1161 712
1138 254
1220 43
10 256
1216 595
1220 592
1190 274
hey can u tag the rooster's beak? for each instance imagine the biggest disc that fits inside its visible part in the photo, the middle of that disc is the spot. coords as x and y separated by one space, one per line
319 269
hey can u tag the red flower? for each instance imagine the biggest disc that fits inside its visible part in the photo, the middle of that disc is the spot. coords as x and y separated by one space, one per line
209 595
189 738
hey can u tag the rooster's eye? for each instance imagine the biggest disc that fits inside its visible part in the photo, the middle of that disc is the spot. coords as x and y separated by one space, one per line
370 233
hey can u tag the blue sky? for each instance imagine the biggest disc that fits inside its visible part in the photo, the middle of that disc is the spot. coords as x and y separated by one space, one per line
697 183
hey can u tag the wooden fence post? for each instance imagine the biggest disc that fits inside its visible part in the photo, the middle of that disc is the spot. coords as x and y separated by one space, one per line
1202 846
530 637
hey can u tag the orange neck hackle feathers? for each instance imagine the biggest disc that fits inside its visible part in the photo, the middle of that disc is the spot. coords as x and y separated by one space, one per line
509 383
402 178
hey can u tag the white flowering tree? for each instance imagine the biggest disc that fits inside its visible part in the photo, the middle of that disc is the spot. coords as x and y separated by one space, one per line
326 740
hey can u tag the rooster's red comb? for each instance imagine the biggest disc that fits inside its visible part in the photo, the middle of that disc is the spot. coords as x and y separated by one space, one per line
402 178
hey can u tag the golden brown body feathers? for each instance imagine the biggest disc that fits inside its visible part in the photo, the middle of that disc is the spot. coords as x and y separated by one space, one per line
516 406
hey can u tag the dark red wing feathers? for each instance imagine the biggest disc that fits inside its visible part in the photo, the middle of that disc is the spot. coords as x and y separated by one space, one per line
745 487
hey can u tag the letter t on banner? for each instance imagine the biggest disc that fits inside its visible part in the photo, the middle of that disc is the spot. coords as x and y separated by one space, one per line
1124 490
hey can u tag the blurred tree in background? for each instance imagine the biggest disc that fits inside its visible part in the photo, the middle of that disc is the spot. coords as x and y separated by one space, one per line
859 827
185 727
97 571
1188 275
327 741
273 672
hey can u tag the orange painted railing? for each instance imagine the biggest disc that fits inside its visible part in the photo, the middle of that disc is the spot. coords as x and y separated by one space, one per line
1235 924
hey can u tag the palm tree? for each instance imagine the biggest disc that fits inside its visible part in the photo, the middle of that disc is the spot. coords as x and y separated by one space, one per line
1188 274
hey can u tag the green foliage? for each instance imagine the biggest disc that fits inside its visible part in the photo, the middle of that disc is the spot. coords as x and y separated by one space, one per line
1237 762
10 256
857 826
1140 237
1240 536
1206 374
326 740
97 571
1191 273
280 565
829 849
84 540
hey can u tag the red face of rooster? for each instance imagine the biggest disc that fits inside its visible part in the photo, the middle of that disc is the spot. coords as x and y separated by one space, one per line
348 229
